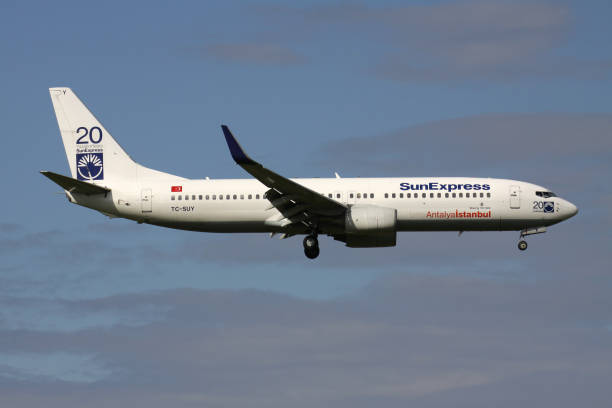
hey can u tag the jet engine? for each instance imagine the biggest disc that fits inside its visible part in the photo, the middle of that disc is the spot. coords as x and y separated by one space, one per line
370 226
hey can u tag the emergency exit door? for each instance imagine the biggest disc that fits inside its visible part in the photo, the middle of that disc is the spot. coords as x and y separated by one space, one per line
515 197
146 200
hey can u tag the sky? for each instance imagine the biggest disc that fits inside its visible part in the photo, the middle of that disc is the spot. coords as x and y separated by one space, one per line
116 313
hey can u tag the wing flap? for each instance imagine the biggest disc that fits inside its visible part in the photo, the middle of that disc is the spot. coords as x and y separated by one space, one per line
73 185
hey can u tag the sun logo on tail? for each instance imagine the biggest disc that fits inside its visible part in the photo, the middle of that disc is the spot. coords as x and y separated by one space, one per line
90 166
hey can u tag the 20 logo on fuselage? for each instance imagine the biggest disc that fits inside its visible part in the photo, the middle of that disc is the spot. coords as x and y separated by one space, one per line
544 206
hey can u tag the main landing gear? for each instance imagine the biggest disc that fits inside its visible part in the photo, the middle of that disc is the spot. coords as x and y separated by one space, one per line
522 245
311 246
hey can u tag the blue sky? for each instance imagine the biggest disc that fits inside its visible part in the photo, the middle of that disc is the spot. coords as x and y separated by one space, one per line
387 88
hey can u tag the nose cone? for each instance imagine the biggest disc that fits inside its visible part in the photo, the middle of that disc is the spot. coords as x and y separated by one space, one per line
570 210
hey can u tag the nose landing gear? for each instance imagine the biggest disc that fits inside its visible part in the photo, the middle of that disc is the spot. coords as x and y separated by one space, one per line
311 246
522 245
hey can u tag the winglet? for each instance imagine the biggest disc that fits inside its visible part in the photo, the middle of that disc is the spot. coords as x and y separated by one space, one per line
238 154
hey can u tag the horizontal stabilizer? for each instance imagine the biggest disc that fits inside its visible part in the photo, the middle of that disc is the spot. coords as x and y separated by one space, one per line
74 185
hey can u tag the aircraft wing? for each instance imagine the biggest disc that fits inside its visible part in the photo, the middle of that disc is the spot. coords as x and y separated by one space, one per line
295 201
73 185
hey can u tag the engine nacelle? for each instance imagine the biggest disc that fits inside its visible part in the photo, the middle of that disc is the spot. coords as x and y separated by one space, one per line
370 226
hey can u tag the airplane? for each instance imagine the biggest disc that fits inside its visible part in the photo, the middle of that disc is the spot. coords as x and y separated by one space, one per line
360 212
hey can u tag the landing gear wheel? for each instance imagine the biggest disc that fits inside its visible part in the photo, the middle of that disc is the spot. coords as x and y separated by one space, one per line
311 246
310 241
311 253
522 245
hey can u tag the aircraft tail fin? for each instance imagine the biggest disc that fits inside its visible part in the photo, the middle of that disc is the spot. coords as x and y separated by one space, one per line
93 155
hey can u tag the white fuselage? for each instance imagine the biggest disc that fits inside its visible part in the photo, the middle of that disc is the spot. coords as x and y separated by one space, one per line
423 204
361 212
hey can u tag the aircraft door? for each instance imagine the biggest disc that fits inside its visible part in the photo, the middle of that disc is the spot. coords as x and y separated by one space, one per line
515 197
146 201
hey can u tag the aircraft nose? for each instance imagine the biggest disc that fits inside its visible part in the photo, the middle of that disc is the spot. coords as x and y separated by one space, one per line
571 210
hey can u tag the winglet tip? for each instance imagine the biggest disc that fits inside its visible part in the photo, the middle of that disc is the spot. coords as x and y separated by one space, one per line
236 150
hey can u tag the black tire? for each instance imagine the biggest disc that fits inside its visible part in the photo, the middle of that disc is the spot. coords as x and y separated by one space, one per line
522 245
312 253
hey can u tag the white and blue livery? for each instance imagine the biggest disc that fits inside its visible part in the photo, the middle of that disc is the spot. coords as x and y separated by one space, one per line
361 212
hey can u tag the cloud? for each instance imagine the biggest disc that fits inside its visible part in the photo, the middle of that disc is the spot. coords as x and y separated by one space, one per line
41 367
252 53
21 242
405 339
400 68
57 315
457 40
484 145
8 228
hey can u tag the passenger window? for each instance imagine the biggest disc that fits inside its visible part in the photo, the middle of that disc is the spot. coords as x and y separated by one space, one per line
331 196
220 196
424 195
172 198
460 195
407 195
401 195
445 195
257 196
186 197
371 195
250 196
431 195
207 197
338 195
386 195
454 195
365 195
200 197
351 195
180 197
358 195
235 196
193 197
214 197
439 195
481 195
227 196
488 195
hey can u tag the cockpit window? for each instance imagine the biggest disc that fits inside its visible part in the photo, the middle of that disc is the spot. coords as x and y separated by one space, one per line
545 194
